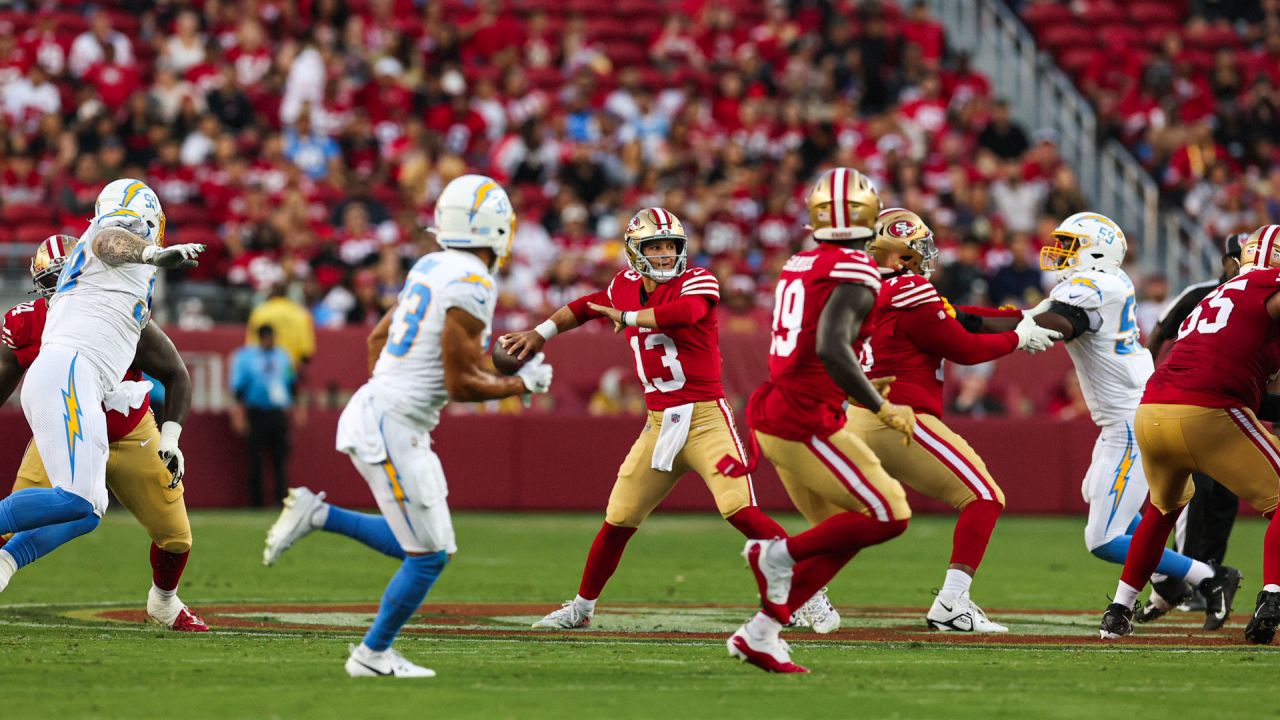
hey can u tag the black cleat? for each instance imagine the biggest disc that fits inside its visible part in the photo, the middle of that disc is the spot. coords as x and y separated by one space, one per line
1262 626
1218 592
1117 622
1172 591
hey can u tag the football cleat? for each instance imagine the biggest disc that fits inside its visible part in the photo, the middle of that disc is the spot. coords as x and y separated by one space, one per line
768 655
293 524
773 580
1165 596
1117 621
364 662
172 613
1218 592
1261 629
960 615
568 617
818 614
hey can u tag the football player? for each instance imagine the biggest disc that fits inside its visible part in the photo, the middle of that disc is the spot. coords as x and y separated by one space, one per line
1094 307
99 308
667 312
915 331
1197 414
430 351
139 476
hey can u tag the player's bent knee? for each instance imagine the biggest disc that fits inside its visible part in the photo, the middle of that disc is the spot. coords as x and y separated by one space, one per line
176 546
1114 550
625 517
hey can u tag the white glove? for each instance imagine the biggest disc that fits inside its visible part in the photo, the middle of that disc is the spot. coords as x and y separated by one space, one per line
1032 338
170 454
536 374
174 256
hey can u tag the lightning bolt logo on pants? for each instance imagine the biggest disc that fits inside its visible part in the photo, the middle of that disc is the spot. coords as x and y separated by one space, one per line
1122 475
72 415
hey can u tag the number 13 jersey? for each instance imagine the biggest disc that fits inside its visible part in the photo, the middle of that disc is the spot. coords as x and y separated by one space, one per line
676 365
1227 349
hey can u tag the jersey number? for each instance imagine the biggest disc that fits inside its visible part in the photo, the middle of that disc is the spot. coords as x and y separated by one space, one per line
788 314
70 275
653 341
1216 301
404 326
1127 338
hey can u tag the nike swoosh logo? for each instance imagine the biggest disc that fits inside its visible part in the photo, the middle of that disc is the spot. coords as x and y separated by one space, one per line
144 442
373 670
944 607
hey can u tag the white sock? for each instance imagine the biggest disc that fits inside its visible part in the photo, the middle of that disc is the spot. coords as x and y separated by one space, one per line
164 594
8 566
956 584
1199 572
1126 594
763 627
320 515
1265 588
778 554
586 606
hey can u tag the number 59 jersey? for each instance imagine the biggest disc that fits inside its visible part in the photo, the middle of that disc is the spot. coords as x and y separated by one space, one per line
1111 362
1228 348
408 379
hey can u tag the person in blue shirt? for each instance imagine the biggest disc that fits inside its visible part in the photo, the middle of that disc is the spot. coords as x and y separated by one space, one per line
262 380
308 149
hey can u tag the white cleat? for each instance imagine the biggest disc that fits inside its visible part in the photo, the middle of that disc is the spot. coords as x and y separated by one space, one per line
768 654
364 662
961 615
568 617
818 614
773 580
293 524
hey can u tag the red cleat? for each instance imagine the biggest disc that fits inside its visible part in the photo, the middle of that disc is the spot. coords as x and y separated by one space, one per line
768 655
186 621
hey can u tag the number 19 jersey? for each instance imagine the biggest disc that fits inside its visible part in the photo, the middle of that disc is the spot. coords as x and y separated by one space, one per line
408 379
1228 348
800 400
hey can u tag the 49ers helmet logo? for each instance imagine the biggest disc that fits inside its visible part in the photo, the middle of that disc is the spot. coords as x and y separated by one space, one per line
634 225
902 229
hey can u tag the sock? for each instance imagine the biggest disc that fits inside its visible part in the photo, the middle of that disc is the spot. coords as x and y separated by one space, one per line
403 596
956 584
1146 548
812 575
1197 573
1271 553
166 569
8 566
1271 587
30 545
37 507
321 515
372 530
1126 594
755 524
779 555
843 533
763 627
973 532
586 606
603 558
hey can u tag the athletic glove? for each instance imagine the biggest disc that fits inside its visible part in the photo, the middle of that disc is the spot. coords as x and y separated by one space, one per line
1033 338
170 454
174 256
898 417
882 384
536 374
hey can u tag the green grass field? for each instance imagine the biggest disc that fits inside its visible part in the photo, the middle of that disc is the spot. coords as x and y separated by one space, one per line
61 659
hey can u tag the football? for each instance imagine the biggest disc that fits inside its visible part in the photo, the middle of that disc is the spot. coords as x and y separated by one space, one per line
506 363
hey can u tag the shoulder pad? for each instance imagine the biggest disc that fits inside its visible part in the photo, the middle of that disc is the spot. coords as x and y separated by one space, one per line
910 291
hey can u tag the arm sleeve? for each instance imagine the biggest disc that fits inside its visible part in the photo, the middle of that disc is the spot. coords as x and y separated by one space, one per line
1083 293
582 312
939 334
685 310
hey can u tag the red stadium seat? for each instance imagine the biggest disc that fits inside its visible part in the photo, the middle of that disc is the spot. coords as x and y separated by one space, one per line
1143 13
1101 14
1047 15
1060 38
28 214
184 216
32 233
1073 60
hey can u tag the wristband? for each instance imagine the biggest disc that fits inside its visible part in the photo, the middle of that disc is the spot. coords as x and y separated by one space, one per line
630 318
547 329
170 431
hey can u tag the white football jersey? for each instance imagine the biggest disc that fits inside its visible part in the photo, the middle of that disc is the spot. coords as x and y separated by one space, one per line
1110 359
408 379
99 310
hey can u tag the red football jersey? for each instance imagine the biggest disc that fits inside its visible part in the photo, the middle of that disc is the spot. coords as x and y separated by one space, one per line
23 328
800 400
677 365
914 334
1227 350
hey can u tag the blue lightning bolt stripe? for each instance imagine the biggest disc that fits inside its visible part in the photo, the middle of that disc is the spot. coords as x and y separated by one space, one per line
1122 474
72 415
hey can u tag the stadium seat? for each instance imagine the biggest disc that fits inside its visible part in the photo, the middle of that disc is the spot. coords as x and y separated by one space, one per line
28 215
1047 15
1143 13
32 233
179 215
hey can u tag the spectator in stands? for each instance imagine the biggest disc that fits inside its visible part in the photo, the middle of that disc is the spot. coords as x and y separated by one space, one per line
1017 201
962 280
262 382
1002 135
186 47
1067 401
308 149
1064 198
616 395
1018 282
974 397
89 48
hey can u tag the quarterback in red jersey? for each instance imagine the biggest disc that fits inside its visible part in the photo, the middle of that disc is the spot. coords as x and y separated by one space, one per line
147 485
1197 414
823 308
667 312
915 331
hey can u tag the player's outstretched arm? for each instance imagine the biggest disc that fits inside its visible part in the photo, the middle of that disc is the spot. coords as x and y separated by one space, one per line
10 373
378 337
523 344
117 246
157 357
465 377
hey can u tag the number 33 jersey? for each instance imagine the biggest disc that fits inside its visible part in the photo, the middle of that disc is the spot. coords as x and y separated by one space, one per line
1111 362
677 365
1228 348
408 379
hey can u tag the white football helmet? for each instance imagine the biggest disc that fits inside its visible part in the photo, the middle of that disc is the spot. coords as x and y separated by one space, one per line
130 204
475 212
1084 241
